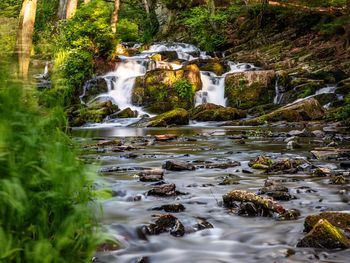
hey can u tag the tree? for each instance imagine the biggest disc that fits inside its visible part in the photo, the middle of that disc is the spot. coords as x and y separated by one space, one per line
25 35
114 19
71 8
67 8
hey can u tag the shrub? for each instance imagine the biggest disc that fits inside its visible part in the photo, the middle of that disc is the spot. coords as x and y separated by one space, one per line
184 88
127 30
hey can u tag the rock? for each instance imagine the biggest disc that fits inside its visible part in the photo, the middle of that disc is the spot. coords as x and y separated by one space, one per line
163 190
318 133
338 219
230 179
286 165
162 90
299 133
178 166
151 176
277 192
266 206
109 143
165 137
260 162
320 171
96 112
338 179
345 164
222 165
305 110
291 214
174 117
126 113
166 223
203 224
327 153
293 145
247 89
212 112
213 65
173 208
93 88
324 235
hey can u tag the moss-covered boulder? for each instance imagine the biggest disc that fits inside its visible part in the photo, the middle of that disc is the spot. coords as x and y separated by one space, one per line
93 88
213 64
212 112
162 90
338 219
126 113
96 112
304 110
324 235
248 89
176 116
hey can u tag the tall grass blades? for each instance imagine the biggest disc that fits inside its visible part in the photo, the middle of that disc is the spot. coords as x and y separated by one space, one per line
45 192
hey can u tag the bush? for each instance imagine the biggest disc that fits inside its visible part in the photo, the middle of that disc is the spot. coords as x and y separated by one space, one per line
45 191
127 30
184 88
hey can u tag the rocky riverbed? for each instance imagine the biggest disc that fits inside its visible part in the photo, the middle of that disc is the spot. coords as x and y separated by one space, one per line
222 194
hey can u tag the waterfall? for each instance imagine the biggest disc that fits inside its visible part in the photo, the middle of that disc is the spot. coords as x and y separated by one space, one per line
213 90
279 95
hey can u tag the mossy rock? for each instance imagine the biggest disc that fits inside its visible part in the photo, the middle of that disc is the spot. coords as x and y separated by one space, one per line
95 87
218 114
103 194
97 112
176 116
324 235
248 89
305 110
338 219
126 113
204 107
162 90
213 64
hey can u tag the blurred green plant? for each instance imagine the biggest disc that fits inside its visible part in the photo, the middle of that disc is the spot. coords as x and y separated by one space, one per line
46 207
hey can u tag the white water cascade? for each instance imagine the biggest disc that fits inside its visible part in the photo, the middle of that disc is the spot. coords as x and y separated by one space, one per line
121 81
279 95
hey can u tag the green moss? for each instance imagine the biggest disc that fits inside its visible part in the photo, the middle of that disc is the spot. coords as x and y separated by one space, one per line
103 194
176 116
338 219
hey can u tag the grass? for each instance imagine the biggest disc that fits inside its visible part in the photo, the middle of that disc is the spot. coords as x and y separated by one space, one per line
46 204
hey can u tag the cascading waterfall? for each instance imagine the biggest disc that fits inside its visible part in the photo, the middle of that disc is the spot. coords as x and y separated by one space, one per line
121 81
279 95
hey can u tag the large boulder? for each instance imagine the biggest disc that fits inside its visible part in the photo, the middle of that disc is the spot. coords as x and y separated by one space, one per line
338 219
174 117
212 112
250 88
96 112
304 110
162 90
212 64
324 235
94 87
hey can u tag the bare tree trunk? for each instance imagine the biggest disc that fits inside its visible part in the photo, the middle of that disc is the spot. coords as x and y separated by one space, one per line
25 35
114 19
211 8
145 3
71 8
62 9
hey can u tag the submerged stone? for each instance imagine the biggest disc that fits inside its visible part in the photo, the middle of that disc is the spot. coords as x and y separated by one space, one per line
166 223
174 208
178 166
324 235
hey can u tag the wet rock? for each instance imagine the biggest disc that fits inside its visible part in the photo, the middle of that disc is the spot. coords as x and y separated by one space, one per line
338 219
126 113
213 65
285 165
173 208
345 164
163 190
318 133
151 176
299 133
324 235
245 90
291 214
265 206
230 179
212 112
143 260
338 179
174 117
165 137
305 110
203 224
277 192
178 166
321 171
109 143
166 223
260 162
291 145
158 91
110 245
222 165
327 153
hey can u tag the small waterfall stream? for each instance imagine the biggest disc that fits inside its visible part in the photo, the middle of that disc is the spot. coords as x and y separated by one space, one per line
121 81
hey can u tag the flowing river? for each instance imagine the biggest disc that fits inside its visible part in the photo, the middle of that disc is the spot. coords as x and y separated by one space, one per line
229 237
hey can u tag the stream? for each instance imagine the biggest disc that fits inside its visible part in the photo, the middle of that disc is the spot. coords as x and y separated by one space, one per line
230 237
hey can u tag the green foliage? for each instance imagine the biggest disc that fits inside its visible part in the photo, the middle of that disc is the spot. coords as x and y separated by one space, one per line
45 191
184 88
200 27
127 30
334 27
10 8
8 29
345 113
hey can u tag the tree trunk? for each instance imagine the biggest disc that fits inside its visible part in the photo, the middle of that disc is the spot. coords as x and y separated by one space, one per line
145 3
71 8
114 19
62 9
211 8
25 35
